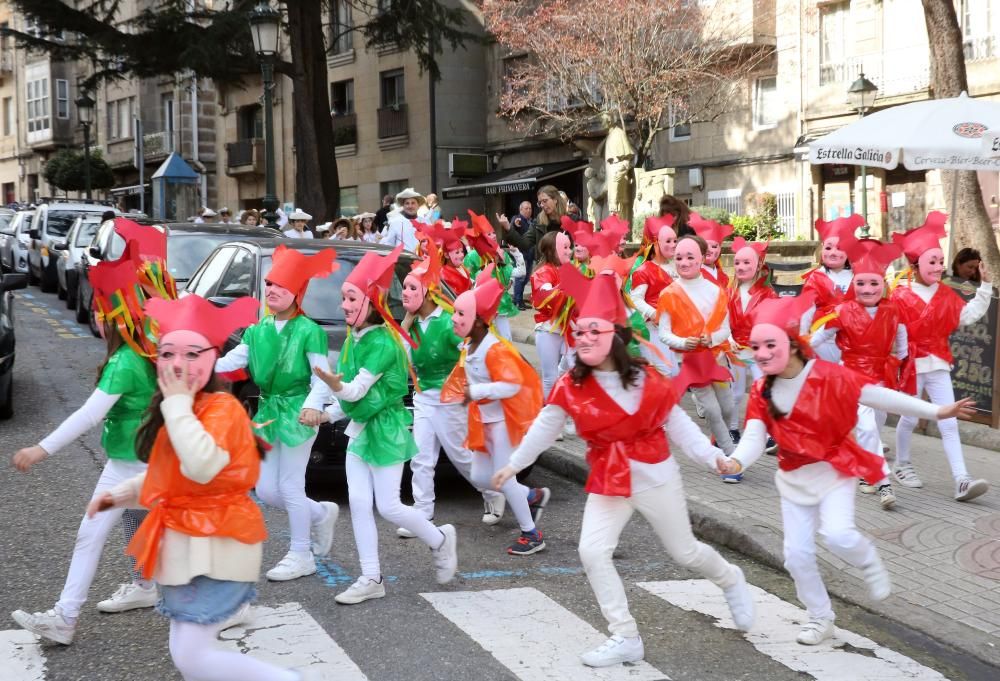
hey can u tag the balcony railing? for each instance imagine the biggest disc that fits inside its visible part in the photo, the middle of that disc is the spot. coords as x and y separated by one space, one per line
392 121
245 156
895 72
345 129
157 144
981 47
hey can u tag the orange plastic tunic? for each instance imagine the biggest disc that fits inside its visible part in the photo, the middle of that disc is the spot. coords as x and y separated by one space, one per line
220 508
686 320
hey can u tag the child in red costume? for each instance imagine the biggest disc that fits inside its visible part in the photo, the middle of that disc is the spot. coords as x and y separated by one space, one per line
649 280
714 234
810 406
447 241
931 312
551 307
624 409
872 341
203 537
830 282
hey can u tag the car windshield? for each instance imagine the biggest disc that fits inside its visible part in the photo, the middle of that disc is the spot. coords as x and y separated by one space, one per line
60 221
5 220
322 301
185 252
86 233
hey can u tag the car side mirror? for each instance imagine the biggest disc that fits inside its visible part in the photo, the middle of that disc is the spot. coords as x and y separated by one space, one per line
34 234
12 282
58 246
95 252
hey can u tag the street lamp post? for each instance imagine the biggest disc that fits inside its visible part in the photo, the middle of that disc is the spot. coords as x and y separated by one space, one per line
265 24
862 95
85 112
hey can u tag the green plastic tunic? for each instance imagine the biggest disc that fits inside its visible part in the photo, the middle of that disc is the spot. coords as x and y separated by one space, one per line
437 351
502 273
134 378
279 365
639 330
386 439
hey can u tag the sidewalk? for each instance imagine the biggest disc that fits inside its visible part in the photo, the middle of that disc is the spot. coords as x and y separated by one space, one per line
944 556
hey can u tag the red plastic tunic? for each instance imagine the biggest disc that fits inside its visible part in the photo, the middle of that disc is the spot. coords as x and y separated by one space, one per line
820 426
457 279
720 279
221 507
865 342
828 296
613 436
739 317
654 278
928 325
549 302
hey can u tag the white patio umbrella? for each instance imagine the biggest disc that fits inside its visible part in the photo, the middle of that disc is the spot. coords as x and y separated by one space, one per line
944 134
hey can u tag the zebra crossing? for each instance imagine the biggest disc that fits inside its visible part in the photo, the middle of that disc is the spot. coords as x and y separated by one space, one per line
541 645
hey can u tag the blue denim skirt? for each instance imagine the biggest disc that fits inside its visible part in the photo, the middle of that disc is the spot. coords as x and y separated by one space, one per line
204 600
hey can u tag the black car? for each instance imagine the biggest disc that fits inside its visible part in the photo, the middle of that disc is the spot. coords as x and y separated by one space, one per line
187 246
8 283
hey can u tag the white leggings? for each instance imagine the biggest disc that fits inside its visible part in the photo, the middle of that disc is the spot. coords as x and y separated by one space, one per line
436 427
717 401
866 432
665 509
282 484
195 651
485 465
553 358
939 391
91 537
833 516
378 486
743 374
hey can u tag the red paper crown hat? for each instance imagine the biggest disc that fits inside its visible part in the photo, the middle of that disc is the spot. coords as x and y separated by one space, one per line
292 269
488 292
149 243
444 237
428 271
785 313
759 247
599 297
194 313
571 226
590 240
652 226
482 237
709 230
614 263
700 369
918 241
843 228
871 256
615 224
373 275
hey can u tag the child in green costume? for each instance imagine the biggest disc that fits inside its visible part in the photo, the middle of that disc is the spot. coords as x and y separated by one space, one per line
485 250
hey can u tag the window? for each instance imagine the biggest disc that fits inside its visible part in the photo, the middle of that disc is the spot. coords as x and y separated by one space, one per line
392 90
62 98
765 103
833 34
786 213
513 76
678 131
978 40
349 201
8 116
168 121
120 123
39 121
729 200
342 98
251 122
341 25
209 275
237 281
392 187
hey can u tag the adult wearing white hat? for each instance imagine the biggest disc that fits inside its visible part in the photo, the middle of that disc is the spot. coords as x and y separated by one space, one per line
207 215
400 229
297 225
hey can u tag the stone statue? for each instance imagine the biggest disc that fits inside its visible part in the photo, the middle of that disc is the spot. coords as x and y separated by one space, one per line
597 194
618 155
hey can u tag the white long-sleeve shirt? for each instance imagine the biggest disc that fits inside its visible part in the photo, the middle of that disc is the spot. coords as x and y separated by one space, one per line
638 294
400 231
971 313
808 484
483 387
704 294
89 415
829 335
548 425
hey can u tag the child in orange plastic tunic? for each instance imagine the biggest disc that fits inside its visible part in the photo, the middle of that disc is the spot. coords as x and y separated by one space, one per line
504 395
202 538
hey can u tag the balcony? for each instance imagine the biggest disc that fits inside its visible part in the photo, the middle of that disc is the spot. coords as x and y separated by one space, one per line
895 72
244 157
392 121
157 145
6 61
980 47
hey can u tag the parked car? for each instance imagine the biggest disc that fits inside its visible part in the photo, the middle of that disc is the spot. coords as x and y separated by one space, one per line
51 225
14 242
187 246
80 236
8 284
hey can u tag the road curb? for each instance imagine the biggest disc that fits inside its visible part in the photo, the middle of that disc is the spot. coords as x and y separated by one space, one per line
764 544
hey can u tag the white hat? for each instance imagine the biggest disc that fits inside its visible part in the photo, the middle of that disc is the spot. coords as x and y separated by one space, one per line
299 214
325 227
225 209
208 213
362 216
410 193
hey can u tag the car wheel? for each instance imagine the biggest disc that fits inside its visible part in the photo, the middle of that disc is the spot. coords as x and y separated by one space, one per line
49 283
92 321
70 299
7 404
82 309
60 292
32 279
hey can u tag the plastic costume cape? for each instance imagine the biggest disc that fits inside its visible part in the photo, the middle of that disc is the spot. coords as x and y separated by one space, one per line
739 317
437 350
686 320
502 271
820 426
614 437
552 306
386 439
928 327
655 279
866 343
505 364
279 365
221 507
827 295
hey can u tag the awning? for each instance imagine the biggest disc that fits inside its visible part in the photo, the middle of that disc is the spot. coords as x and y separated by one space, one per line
132 190
513 180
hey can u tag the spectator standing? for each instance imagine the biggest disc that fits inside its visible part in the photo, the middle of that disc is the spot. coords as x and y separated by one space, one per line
521 224
553 205
369 233
250 218
297 222
382 216
400 229
225 216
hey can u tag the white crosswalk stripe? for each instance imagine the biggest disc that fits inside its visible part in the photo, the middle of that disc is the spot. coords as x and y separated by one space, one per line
21 655
778 623
544 646
288 636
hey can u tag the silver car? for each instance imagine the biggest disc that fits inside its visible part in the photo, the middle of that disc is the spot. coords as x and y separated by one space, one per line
15 242
80 235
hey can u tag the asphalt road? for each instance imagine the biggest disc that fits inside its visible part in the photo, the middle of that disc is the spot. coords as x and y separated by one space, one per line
502 618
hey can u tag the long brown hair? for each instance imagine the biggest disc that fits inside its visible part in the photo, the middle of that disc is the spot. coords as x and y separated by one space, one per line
113 341
772 408
628 367
552 193
547 249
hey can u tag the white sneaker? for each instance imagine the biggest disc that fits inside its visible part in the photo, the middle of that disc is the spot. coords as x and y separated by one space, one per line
967 488
886 497
292 566
404 533
877 579
129 597
50 624
740 603
906 476
241 617
815 632
322 532
865 488
615 650
493 508
446 555
365 588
